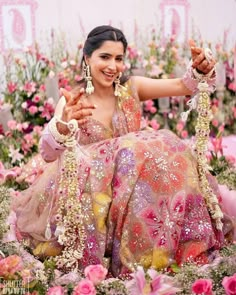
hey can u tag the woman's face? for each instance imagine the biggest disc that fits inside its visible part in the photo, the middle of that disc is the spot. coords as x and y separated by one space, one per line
106 63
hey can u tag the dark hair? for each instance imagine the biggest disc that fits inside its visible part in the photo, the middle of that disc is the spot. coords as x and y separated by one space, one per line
101 34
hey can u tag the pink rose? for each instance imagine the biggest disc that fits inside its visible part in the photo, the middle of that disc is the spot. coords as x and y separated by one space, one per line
229 284
95 273
36 98
154 124
202 286
11 124
10 265
84 287
215 122
180 126
57 290
33 109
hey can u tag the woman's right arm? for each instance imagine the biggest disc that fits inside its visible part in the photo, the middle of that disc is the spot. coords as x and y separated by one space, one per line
58 132
49 147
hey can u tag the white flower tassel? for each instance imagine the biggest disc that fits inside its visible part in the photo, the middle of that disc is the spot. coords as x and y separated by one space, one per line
192 103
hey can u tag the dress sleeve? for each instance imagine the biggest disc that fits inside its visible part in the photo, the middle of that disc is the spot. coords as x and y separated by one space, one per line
49 148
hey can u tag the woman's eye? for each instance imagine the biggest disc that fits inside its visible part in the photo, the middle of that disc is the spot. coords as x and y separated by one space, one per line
104 57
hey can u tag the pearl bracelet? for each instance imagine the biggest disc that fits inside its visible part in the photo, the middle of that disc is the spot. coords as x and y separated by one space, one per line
201 77
191 79
72 125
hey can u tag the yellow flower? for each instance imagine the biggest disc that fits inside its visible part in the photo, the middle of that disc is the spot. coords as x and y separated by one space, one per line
47 249
146 261
160 258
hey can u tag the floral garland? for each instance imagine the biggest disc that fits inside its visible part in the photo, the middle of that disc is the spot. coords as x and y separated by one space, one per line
201 146
70 229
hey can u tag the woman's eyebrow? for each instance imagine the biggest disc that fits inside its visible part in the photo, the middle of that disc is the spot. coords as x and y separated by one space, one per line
108 54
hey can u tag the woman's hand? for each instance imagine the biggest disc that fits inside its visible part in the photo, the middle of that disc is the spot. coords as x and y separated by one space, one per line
75 108
202 59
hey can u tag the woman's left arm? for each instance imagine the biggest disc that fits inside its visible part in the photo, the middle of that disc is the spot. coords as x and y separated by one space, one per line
149 88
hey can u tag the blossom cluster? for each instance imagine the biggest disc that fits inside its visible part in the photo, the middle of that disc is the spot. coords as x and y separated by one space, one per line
216 278
28 98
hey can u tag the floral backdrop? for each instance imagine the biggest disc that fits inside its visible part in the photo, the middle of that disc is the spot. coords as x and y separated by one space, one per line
29 93
33 78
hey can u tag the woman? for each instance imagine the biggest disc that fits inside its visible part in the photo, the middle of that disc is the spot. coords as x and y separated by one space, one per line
111 193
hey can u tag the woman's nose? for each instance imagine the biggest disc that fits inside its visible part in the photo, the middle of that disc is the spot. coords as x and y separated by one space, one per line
112 64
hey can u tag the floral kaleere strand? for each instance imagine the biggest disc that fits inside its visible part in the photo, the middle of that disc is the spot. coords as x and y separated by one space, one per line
201 146
204 84
70 230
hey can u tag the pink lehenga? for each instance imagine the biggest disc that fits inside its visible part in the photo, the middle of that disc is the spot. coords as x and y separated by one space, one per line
139 195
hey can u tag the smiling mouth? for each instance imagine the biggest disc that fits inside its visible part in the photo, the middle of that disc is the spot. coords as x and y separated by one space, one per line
109 75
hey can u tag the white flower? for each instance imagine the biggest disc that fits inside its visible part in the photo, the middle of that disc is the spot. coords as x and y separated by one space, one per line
15 155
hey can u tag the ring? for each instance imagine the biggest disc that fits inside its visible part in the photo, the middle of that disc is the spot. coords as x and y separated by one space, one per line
72 125
208 54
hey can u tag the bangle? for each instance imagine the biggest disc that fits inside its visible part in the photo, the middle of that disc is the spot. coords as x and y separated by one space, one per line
201 77
61 138
191 79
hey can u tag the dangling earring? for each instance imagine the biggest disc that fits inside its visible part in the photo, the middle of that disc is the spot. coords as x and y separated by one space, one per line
89 88
117 85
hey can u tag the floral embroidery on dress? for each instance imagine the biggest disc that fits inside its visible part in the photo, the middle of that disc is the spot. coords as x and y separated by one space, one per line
141 198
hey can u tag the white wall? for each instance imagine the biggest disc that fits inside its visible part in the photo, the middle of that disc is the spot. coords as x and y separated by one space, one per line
77 17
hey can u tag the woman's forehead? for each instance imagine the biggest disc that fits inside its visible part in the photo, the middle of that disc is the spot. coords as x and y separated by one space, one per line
111 47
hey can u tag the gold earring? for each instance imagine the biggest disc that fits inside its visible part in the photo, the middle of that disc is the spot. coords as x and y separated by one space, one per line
117 85
89 87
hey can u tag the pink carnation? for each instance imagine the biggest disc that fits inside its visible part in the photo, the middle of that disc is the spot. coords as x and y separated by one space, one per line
84 287
95 273
202 286
229 284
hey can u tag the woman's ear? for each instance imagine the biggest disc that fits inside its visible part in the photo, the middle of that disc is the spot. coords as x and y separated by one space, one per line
86 59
